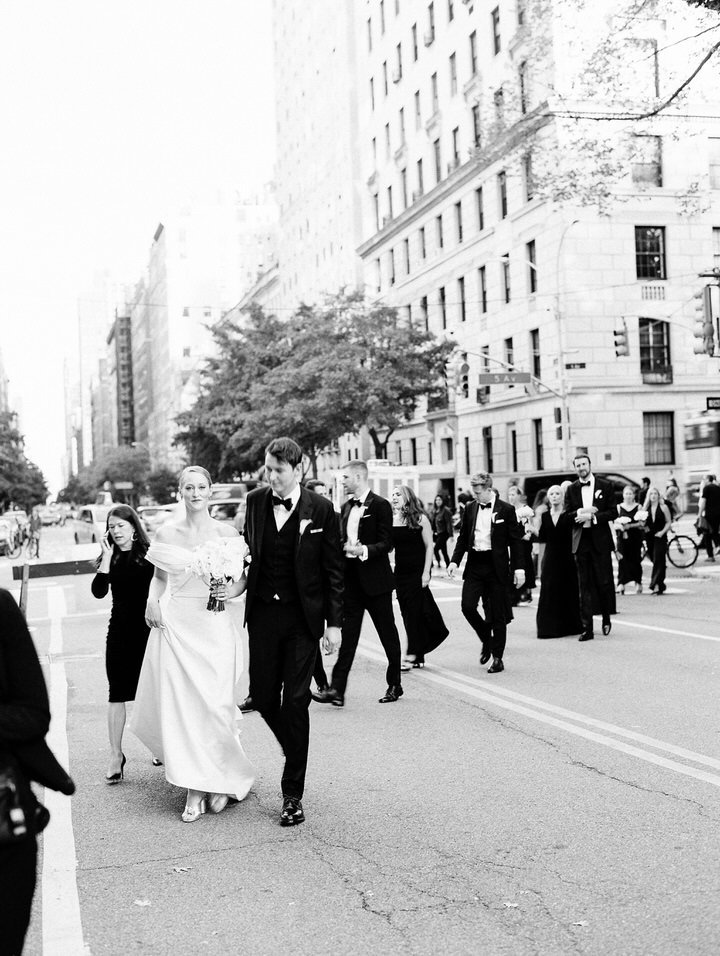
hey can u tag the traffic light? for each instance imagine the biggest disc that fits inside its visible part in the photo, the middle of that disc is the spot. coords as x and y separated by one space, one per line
558 423
621 341
704 330
463 379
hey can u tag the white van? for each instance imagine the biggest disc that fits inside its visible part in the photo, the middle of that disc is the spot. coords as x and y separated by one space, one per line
90 524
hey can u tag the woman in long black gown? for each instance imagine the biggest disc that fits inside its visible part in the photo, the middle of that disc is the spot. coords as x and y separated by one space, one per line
558 613
413 541
123 570
630 533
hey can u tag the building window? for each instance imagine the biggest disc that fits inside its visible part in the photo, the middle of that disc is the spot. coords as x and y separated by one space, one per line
418 113
499 105
430 35
461 299
716 247
369 33
413 32
538 437
378 276
439 238
488 448
480 208
382 16
447 451
458 221
424 313
430 453
438 162
406 251
659 438
398 67
421 187
532 266
647 160
443 307
466 443
521 10
535 352
654 344
482 284
385 77
372 93
434 92
398 452
505 274
650 252
421 237
456 147
495 17
401 124
714 155
387 141
389 202
528 180
502 193
413 451
523 86
477 137
643 55
374 152
453 74
403 187
376 210
391 266
512 445
473 54
509 351
451 11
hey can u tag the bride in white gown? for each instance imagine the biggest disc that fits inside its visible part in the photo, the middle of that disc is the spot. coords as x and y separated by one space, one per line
185 711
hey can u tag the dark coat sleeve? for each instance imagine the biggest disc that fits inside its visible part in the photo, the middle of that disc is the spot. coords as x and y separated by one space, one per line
24 706
332 561
383 529
463 538
100 585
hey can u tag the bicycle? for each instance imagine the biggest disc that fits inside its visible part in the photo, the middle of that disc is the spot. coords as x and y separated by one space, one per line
33 545
682 550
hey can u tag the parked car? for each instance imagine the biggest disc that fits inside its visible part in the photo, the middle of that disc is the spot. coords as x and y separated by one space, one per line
533 482
152 516
51 516
21 517
231 510
90 524
9 544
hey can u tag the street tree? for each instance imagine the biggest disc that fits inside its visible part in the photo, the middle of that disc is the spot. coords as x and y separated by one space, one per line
21 482
162 485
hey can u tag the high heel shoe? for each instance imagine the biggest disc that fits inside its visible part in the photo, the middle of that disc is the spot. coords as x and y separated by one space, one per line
217 802
620 589
157 762
418 663
191 814
113 778
407 664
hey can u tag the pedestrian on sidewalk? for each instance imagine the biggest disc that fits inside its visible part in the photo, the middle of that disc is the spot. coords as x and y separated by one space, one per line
657 525
413 543
123 570
630 533
709 512
491 537
441 522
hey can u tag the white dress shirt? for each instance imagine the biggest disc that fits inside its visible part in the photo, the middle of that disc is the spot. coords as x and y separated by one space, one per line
353 523
483 527
588 496
281 513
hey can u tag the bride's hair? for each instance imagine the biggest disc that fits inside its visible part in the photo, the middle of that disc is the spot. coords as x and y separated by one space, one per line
199 469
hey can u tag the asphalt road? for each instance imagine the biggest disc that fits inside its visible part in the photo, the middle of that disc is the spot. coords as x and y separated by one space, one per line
567 805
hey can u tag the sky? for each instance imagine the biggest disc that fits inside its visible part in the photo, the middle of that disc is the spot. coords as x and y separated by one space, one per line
110 113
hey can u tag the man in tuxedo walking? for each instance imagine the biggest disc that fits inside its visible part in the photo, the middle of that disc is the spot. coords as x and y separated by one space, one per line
294 597
590 504
366 521
491 536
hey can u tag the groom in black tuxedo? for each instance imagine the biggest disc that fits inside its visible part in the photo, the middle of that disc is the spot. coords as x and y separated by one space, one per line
590 504
491 537
366 521
294 597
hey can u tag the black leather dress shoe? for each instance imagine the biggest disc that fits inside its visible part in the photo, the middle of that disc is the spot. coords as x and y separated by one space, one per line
485 655
247 706
496 666
586 637
329 696
292 812
393 693
606 626
320 690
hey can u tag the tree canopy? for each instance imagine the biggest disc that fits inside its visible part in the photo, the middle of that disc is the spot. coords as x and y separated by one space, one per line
328 370
21 482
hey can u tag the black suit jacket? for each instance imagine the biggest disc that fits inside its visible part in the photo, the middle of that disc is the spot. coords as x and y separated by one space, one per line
506 538
375 532
318 556
604 501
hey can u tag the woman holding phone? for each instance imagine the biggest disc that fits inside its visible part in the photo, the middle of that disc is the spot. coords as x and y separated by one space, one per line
123 570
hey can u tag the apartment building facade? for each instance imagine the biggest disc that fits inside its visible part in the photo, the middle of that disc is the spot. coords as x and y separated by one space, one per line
514 203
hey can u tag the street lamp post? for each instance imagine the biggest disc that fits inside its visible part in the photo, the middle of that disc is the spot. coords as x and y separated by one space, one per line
564 411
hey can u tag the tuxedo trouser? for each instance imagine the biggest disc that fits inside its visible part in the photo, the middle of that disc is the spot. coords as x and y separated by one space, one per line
481 583
657 552
282 657
18 865
380 609
593 567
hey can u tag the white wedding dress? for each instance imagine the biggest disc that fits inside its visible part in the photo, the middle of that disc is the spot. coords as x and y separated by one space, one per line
185 711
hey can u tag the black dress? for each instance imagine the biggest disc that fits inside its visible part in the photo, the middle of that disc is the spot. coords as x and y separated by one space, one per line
421 616
630 547
558 612
129 581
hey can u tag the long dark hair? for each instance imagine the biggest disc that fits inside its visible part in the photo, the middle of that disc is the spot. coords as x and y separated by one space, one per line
141 542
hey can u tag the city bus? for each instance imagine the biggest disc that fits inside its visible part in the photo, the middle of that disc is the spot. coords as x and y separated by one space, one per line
702 451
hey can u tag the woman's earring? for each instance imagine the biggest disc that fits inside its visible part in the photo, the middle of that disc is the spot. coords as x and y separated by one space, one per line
134 536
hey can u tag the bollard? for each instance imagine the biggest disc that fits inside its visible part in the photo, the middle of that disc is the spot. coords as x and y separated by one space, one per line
24 588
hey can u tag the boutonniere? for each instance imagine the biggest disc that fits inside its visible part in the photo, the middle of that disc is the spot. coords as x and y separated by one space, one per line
304 525
598 493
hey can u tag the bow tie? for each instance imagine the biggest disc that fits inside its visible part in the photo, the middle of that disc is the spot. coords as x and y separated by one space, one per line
586 484
488 505
284 502
355 502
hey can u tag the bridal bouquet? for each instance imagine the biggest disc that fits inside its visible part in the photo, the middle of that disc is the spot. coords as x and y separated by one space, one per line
641 515
218 561
621 522
525 514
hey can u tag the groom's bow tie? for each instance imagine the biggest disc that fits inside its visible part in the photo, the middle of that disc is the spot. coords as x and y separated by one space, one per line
285 502
586 484
488 505
356 501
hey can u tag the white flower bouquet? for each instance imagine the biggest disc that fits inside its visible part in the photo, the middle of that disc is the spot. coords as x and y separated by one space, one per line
218 561
621 521
524 514
641 515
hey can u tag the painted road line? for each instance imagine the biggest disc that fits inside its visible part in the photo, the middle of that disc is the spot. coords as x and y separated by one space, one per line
61 924
467 686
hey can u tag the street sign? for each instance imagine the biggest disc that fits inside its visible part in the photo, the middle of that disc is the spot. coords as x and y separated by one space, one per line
123 485
575 365
504 378
712 403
